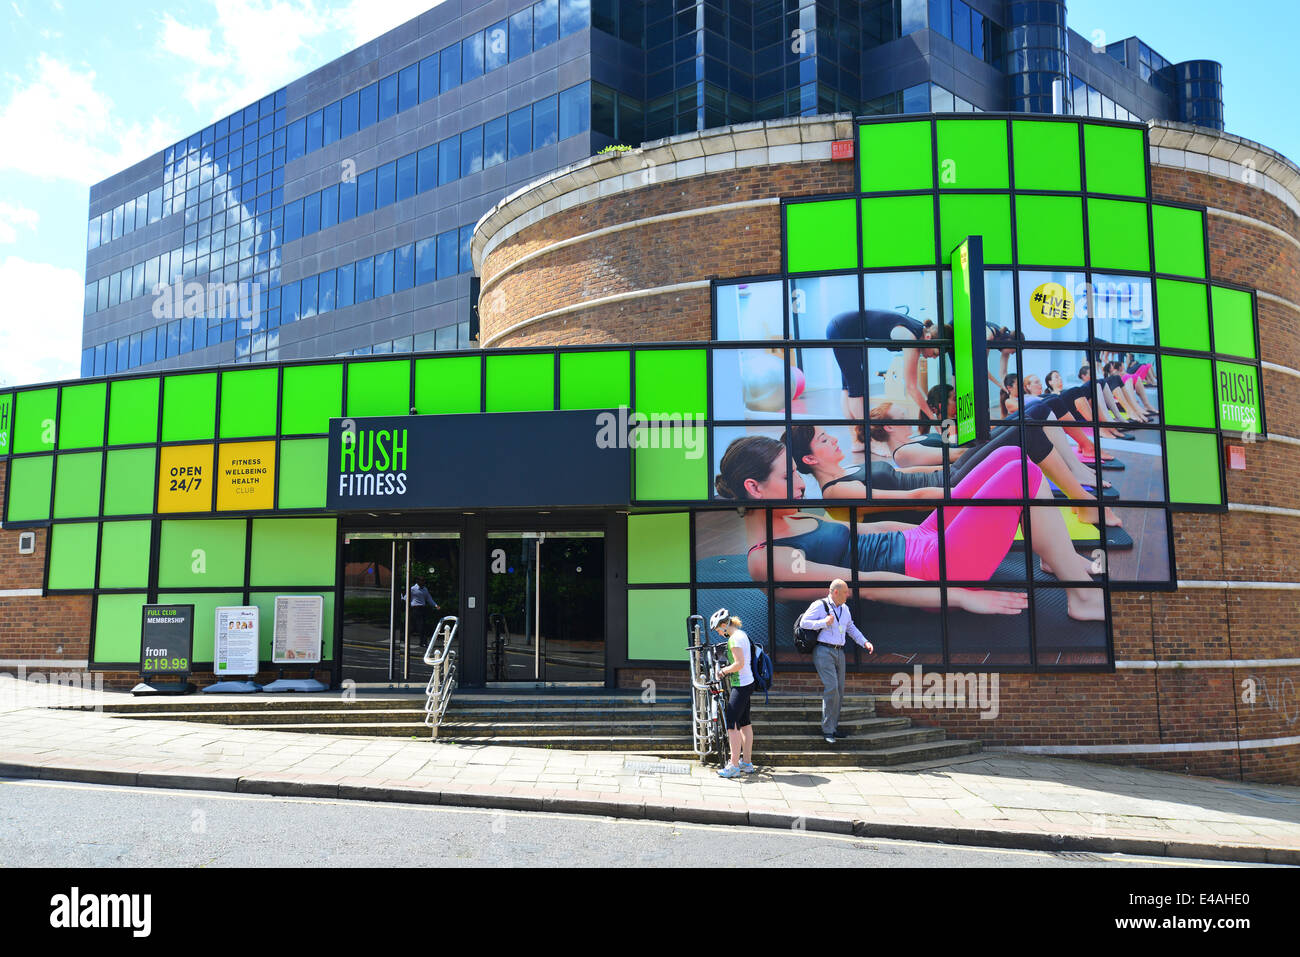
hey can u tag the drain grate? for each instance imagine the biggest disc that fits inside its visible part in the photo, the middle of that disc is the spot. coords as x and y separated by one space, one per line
656 767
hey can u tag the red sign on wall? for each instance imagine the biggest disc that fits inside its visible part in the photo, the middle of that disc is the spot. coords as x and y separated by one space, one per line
842 149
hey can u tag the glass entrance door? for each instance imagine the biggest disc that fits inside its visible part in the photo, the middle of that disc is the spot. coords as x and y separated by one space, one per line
546 607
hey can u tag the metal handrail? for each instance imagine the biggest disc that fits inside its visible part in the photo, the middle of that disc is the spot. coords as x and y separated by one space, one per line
442 682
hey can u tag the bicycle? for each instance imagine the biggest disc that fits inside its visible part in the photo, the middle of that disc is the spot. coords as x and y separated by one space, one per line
709 698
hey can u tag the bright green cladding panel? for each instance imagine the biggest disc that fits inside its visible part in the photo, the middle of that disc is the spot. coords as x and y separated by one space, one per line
1234 322
77 483
72 555
379 388
35 413
1117 235
293 551
821 236
129 481
265 602
117 628
521 383
677 470
6 422
1049 230
895 156
133 411
310 397
984 215
201 553
446 385
973 154
595 380
189 407
28 493
205 616
81 416
124 554
1179 240
1046 155
898 231
1116 162
1238 393
1183 315
303 472
1191 382
659 548
1194 471
655 620
249 400
671 382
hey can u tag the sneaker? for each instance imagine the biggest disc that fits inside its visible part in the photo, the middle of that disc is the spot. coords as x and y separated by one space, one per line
730 771
746 767
830 739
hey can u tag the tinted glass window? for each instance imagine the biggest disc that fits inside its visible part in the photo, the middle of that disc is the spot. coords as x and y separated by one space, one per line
406 177
498 46
471 57
365 280
494 142
544 122
384 274
427 168
404 268
426 261
386 185
448 255
448 159
575 15
346 291
520 132
331 119
521 34
429 77
471 151
365 193
575 110
449 67
348 115
368 105
387 96
408 87
546 20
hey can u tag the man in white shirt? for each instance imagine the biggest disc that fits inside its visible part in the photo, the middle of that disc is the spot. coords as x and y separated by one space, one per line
831 616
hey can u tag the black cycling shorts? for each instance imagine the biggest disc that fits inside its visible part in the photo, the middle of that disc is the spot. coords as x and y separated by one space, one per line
738 707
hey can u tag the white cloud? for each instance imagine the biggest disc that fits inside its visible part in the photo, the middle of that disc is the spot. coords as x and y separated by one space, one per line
40 334
364 20
13 217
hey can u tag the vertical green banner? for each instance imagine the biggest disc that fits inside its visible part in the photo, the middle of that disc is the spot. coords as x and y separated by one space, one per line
970 381
6 421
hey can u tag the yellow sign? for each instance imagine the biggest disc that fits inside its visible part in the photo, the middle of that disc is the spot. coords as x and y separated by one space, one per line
185 478
246 476
1052 305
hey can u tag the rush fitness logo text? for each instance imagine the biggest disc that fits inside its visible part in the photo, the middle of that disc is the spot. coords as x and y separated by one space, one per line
372 462
1237 396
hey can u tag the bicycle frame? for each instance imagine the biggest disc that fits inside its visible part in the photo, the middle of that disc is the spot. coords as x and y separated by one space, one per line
708 696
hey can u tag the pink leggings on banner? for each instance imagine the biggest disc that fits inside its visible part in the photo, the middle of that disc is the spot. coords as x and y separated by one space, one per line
977 538
1141 373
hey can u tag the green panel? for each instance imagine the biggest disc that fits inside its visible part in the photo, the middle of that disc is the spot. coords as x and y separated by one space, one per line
248 403
659 548
6 422
303 471
655 620
1117 234
129 482
124 551
521 383
1193 462
205 617
133 412
453 384
1046 155
1238 393
973 154
1184 317
81 416
1049 230
117 628
310 397
76 488
895 156
379 388
189 407
677 470
293 551
28 493
207 553
1180 240
595 380
72 555
987 216
34 420
265 601
1116 160
821 236
671 382
1234 322
898 231
1190 381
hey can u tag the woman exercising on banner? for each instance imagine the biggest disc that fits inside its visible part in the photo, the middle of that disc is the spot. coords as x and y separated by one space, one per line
810 548
877 324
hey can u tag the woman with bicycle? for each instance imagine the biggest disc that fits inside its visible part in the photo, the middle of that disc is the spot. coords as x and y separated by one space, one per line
740 730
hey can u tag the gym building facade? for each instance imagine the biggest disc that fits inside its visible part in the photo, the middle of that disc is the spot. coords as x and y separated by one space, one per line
1007 376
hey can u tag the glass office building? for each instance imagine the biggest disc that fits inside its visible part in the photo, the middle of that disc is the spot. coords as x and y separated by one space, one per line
333 216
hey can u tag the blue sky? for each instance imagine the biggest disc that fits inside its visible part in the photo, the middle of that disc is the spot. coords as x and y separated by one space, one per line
88 88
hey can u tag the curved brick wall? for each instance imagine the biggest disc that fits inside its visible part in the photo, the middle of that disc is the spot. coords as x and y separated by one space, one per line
1171 716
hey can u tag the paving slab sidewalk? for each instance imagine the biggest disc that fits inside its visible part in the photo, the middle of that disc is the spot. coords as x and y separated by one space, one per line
995 800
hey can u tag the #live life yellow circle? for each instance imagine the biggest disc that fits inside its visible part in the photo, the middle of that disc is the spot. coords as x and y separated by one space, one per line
1052 305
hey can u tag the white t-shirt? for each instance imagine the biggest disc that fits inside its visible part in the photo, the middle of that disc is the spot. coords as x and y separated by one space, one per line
745 676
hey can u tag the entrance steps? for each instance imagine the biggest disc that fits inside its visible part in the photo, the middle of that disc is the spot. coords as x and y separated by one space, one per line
786 728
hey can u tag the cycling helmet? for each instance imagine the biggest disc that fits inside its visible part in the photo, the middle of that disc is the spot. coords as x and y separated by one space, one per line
718 618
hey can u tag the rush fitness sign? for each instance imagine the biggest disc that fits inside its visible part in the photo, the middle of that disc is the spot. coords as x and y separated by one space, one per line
1237 389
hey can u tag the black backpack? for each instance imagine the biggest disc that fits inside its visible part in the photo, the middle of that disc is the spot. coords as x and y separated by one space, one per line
805 639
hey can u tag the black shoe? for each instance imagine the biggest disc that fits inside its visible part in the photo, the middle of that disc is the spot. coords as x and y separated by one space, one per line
840 733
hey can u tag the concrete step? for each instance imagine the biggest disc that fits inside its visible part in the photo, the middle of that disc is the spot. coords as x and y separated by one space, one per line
763 726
